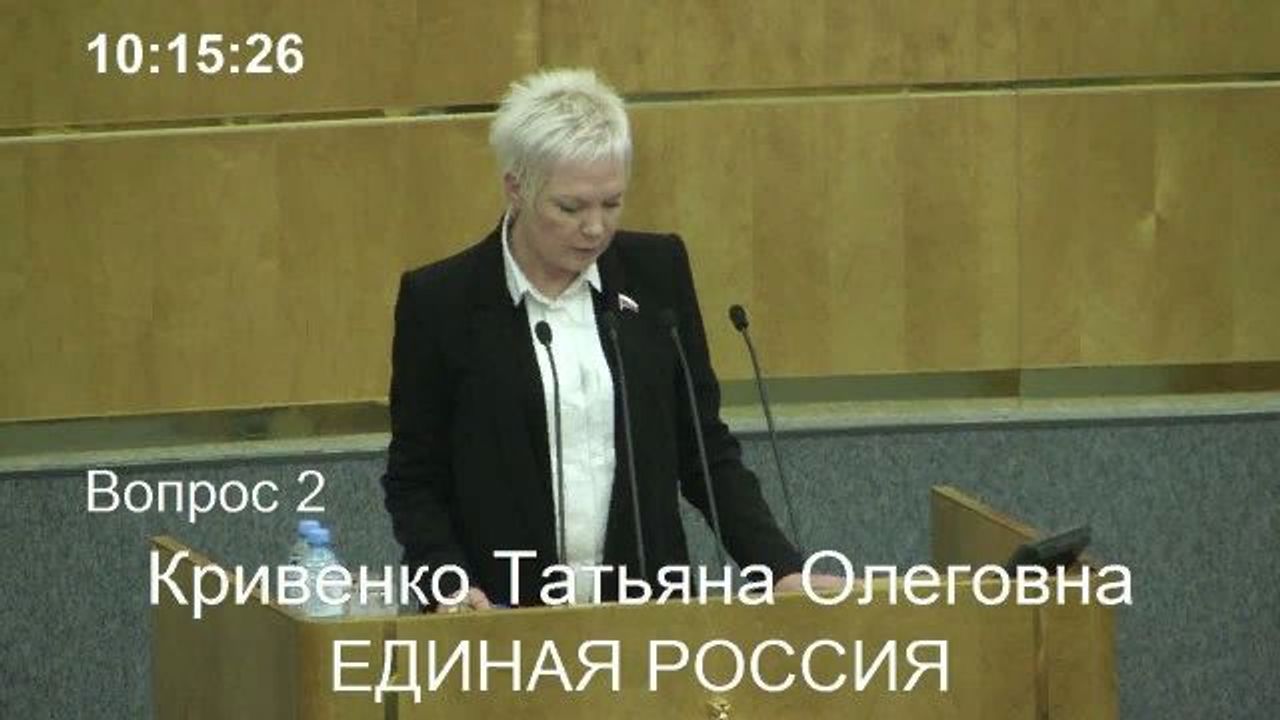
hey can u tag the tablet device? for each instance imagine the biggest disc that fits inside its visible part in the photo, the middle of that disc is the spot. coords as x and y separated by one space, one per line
1059 550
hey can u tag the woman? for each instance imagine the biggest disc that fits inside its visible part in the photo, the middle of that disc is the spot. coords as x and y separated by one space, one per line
472 466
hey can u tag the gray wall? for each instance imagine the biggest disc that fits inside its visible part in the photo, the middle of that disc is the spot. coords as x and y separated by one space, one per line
1193 507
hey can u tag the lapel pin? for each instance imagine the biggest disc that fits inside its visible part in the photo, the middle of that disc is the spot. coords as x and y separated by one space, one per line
627 304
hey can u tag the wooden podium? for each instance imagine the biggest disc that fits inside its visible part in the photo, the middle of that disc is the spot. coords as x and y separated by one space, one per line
253 661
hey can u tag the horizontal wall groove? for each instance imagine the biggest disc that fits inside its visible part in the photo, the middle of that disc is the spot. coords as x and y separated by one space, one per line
803 403
828 93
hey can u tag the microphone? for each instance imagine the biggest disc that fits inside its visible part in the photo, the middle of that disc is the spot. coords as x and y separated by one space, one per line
611 321
738 316
668 319
543 331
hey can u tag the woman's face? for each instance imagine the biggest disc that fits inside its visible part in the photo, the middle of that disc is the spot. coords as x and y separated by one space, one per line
570 223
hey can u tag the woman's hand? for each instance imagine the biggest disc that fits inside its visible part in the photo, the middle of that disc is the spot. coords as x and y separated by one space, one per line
820 583
474 599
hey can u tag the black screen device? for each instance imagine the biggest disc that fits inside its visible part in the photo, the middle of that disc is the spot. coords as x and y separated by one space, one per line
1058 550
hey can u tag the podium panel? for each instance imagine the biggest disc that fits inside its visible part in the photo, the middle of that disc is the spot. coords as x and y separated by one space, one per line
794 659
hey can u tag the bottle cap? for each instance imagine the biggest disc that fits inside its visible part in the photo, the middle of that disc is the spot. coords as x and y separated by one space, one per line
318 536
306 526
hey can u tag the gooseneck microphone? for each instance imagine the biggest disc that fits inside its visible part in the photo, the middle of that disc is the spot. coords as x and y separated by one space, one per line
543 331
738 316
611 321
668 318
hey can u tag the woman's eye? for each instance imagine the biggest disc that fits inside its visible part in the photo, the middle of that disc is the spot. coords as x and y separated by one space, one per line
568 209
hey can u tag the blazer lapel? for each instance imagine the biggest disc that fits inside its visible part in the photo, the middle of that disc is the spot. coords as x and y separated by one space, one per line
636 345
504 343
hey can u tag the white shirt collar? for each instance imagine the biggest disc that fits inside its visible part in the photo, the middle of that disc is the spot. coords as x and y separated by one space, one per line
518 284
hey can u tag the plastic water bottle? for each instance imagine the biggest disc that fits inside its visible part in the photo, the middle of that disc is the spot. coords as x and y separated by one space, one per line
299 549
320 555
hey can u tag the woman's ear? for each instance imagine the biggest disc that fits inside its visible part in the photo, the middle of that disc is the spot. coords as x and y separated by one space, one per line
511 189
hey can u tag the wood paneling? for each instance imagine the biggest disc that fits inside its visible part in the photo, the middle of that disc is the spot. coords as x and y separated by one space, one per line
15 247
251 660
359 55
169 270
164 271
965 531
674 45
1253 195
862 235
1148 227
670 45
1098 38
222 269
366 56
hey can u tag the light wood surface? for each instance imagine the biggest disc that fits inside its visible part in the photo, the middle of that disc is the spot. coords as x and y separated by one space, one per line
671 45
158 271
1075 672
854 253
864 235
1148 226
359 56
225 269
965 531
1145 38
1071 666
431 53
990 654
867 231
252 660
1005 661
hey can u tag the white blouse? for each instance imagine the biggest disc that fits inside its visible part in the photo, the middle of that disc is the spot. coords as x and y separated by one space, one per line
586 410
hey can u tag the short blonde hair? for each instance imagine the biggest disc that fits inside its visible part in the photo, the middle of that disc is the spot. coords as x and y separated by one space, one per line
558 115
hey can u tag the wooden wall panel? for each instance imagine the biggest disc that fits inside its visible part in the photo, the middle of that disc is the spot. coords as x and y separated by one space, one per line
674 45
1254 197
15 81
862 235
1086 38
1149 227
247 267
670 45
960 233
15 277
145 270
194 269
220 269
359 55
414 53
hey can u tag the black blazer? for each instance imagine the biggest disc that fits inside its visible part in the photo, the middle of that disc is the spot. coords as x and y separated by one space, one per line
468 469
